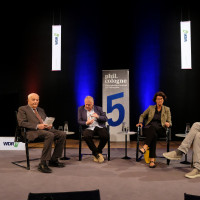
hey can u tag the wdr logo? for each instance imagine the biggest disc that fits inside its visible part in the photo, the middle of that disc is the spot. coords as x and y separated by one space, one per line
15 144
8 143
56 38
185 35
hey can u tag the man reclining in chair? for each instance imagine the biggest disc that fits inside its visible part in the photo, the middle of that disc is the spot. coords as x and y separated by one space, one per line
31 117
92 119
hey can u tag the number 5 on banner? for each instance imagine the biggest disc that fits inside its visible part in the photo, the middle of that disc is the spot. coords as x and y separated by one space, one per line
118 106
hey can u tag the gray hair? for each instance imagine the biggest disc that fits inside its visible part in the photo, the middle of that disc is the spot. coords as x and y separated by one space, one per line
89 98
31 94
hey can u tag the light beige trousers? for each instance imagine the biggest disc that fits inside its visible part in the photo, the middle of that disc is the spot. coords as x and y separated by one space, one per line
193 138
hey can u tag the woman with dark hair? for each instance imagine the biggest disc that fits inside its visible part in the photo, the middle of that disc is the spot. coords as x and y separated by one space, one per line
158 118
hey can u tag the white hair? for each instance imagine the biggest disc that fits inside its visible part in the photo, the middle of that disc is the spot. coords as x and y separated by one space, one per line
89 98
31 94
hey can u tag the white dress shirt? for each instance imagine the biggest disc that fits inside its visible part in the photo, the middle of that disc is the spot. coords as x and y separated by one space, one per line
95 123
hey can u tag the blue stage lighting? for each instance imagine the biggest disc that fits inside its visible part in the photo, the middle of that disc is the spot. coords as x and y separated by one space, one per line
85 72
148 65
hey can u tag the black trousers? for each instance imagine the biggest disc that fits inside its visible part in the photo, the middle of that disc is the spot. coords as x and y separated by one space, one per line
102 133
151 134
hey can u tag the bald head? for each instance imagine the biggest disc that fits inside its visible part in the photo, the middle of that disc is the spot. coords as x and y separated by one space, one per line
33 100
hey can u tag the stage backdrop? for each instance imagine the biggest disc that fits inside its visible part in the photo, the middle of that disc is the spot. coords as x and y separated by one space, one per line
116 100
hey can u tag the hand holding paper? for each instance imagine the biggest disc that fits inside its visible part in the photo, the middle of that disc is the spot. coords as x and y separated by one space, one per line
49 120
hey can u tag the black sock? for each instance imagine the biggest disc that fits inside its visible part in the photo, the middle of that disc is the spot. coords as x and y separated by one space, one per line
96 155
54 160
179 153
43 162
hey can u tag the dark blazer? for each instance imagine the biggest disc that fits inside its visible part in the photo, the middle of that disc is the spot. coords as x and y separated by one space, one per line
27 118
150 111
82 116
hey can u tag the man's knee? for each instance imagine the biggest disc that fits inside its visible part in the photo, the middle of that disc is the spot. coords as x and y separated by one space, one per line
104 134
62 135
197 137
106 137
196 126
48 136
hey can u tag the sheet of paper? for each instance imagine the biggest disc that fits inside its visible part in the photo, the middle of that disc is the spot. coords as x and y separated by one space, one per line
49 120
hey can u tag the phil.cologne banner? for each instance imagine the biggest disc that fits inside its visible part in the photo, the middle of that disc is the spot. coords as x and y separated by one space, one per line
186 62
56 48
116 101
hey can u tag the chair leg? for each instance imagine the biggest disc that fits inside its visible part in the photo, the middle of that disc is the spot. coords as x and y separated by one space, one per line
27 156
137 149
168 161
27 159
80 146
109 148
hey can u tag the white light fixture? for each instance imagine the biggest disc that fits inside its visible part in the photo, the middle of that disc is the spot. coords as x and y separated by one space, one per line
186 61
56 48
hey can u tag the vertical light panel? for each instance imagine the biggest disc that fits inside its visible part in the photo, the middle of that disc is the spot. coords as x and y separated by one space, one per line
186 62
56 48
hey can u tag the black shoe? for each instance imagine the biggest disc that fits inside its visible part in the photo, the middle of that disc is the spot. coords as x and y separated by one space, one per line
44 168
56 164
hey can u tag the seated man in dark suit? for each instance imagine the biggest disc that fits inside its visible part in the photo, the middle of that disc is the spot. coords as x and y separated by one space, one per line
31 117
92 119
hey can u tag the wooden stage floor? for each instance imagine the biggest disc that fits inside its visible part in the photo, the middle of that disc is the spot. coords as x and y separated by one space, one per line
71 143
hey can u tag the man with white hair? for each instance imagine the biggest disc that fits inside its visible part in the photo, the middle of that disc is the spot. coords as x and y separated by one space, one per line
32 118
92 119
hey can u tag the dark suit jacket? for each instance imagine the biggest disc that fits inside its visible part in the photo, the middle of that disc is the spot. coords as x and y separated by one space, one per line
82 116
27 118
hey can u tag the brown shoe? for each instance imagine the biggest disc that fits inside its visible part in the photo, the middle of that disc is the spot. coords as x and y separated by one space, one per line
95 159
100 158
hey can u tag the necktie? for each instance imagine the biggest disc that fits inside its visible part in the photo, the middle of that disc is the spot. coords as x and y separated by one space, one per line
38 116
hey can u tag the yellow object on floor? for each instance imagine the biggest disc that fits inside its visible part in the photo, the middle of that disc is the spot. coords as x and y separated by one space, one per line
146 156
